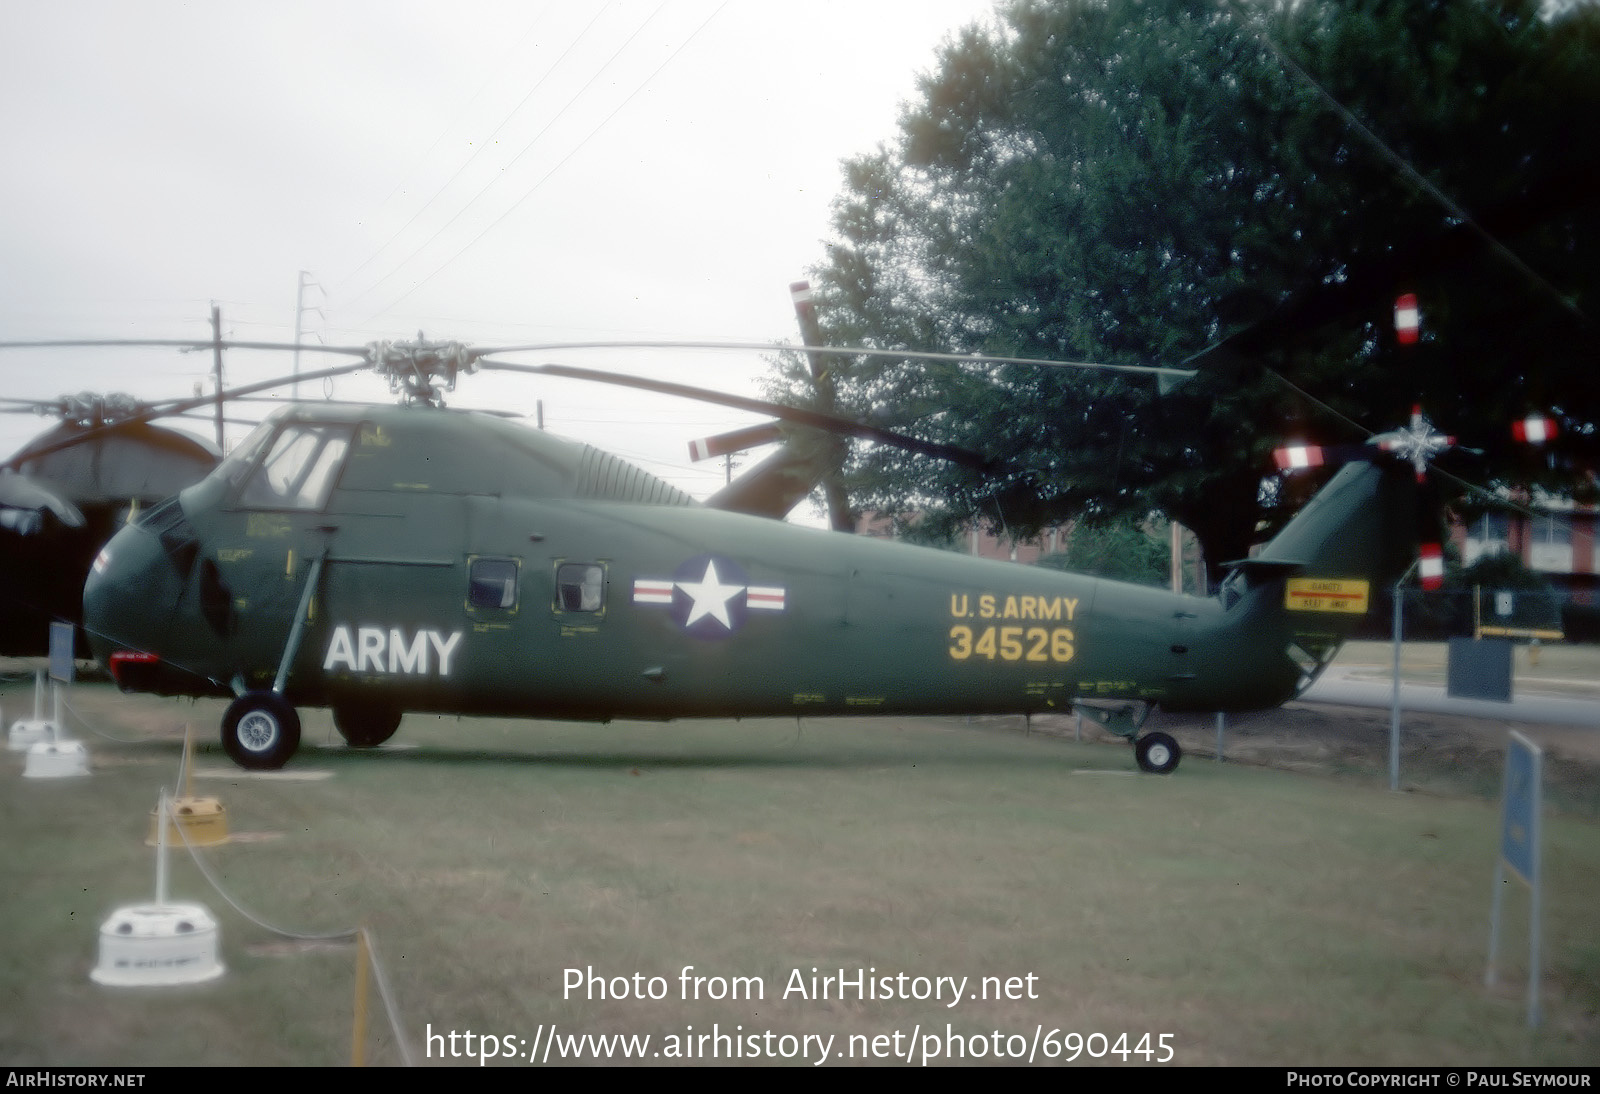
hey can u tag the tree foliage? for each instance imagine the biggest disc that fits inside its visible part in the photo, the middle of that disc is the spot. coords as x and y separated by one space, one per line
1171 181
1118 549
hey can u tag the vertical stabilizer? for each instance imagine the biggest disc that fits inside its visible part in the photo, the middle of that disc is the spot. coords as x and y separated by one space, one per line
1361 526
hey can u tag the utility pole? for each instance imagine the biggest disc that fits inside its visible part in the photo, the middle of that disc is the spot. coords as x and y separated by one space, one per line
216 365
1177 554
299 312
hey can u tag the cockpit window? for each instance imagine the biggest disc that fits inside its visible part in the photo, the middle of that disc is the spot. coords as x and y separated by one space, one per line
242 458
300 469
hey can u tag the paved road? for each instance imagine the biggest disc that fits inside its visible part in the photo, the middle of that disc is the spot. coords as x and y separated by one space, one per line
1356 687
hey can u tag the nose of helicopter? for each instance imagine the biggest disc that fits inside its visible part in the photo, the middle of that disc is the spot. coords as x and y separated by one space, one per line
129 596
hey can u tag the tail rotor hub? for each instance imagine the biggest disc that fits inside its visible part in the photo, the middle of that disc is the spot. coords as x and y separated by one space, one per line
1416 444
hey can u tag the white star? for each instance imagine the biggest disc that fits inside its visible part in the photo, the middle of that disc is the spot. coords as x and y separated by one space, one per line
710 597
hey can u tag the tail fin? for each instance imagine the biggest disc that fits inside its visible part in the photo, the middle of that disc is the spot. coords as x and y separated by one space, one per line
1358 527
1320 577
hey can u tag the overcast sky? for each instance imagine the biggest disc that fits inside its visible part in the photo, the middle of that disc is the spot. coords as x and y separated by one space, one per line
489 172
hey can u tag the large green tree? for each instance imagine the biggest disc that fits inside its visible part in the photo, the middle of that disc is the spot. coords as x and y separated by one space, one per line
1239 187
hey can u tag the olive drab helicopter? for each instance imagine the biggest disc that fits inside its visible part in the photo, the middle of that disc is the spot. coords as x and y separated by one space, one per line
380 559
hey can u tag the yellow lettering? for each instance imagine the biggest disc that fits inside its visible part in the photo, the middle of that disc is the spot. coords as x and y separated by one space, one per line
1050 607
266 525
985 645
986 606
958 605
1011 608
1011 643
1061 648
1071 605
1028 603
1040 639
1037 644
962 636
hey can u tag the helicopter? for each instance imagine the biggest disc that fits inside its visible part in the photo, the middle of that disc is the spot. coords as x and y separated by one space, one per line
64 493
380 559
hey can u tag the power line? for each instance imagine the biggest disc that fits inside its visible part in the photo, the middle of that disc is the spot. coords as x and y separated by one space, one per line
581 144
483 146
525 148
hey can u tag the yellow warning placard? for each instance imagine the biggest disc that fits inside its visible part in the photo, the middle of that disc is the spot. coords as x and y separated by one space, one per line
1321 594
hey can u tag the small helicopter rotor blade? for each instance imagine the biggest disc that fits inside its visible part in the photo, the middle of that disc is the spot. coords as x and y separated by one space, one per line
21 492
1299 457
1430 521
725 444
1535 429
184 344
179 407
796 415
1303 456
1430 566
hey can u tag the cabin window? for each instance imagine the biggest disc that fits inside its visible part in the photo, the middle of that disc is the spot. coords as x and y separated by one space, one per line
580 586
492 583
299 471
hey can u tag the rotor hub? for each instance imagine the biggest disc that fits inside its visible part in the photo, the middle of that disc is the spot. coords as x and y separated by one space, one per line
1417 443
421 371
89 408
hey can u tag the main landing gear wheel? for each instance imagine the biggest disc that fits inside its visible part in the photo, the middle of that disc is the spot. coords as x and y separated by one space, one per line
1157 753
366 727
260 731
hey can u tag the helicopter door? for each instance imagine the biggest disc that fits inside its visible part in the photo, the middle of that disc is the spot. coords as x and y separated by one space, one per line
258 548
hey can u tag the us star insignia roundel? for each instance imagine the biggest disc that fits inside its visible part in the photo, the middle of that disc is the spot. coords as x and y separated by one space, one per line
710 596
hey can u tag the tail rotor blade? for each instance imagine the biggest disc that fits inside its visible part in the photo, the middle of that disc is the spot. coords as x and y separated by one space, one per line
1430 521
1535 429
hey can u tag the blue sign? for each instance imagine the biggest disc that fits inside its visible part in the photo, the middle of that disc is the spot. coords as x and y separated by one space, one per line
1519 823
61 665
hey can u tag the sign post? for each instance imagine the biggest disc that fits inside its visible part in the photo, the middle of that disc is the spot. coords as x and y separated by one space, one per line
1519 852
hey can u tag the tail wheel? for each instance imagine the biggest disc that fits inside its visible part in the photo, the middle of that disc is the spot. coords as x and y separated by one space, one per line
366 727
261 731
1157 753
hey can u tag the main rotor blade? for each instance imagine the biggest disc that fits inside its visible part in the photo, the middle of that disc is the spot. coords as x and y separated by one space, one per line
189 344
179 407
797 415
848 351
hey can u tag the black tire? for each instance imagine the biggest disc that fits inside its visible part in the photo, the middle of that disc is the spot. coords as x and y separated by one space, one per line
261 731
1157 753
366 727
